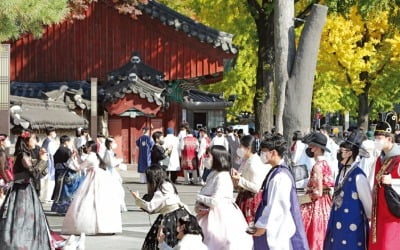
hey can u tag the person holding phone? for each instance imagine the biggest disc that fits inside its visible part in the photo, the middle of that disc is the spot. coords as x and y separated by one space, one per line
22 209
222 222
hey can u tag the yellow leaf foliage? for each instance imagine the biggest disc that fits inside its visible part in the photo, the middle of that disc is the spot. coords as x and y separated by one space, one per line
354 51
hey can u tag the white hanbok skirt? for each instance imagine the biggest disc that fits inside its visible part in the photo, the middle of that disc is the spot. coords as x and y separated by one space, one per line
224 228
95 208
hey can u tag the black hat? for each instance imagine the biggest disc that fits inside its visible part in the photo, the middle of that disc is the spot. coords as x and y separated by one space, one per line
387 125
355 139
383 128
316 139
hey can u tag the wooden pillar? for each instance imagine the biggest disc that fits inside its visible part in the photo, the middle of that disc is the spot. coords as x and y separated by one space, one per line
93 107
5 88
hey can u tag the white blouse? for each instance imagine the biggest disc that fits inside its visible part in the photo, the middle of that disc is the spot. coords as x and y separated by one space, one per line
218 188
252 173
160 199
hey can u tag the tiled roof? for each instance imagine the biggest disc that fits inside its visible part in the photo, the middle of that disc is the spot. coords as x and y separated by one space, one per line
38 114
75 94
194 95
168 16
137 78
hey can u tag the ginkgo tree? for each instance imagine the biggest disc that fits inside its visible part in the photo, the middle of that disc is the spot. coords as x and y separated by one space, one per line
357 64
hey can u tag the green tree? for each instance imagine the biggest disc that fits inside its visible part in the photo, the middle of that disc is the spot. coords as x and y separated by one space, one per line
230 16
29 16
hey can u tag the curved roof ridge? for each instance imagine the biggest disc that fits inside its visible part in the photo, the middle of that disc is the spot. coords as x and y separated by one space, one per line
202 32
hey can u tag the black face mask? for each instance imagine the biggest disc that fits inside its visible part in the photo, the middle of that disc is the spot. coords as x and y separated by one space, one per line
339 156
309 153
294 138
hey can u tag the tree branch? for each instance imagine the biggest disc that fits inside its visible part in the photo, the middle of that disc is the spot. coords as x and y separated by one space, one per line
304 14
254 8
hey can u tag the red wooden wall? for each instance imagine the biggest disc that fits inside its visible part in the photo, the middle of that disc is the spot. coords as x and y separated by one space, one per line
104 41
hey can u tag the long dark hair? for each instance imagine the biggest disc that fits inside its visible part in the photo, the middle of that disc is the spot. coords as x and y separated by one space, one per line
156 176
92 145
108 143
249 141
191 225
221 159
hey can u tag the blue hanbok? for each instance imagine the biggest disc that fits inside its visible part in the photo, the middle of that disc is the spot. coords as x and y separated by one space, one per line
348 222
68 180
145 144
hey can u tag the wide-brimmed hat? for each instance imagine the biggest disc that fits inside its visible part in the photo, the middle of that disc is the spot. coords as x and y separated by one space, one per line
355 139
316 139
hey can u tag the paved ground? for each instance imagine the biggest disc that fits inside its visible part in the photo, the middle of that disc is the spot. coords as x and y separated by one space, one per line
135 222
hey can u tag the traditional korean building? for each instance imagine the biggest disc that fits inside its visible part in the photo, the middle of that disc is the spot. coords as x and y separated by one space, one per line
171 50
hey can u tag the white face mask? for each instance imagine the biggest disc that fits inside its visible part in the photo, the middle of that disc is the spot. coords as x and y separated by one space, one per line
7 143
379 144
240 152
263 157
114 145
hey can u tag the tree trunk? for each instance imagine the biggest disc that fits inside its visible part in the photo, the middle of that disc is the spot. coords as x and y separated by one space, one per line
299 90
264 97
363 108
284 53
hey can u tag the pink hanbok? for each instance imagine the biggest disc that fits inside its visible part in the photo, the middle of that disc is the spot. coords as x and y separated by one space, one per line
316 213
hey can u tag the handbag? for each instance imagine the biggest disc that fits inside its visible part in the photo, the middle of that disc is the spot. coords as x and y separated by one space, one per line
392 197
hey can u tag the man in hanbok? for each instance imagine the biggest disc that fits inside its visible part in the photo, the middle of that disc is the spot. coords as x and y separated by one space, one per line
189 163
278 222
348 222
47 183
145 143
385 226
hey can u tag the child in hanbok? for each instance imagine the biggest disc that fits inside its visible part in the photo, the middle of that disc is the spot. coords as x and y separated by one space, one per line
95 208
189 234
223 224
162 197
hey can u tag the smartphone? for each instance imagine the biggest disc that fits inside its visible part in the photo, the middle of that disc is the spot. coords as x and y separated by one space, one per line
251 230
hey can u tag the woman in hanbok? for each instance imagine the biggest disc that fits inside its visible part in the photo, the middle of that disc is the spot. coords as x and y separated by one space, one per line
23 224
189 234
162 198
249 178
222 222
315 213
68 176
112 162
95 208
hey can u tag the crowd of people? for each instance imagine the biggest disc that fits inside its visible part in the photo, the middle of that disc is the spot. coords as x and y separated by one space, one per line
251 195
78 178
